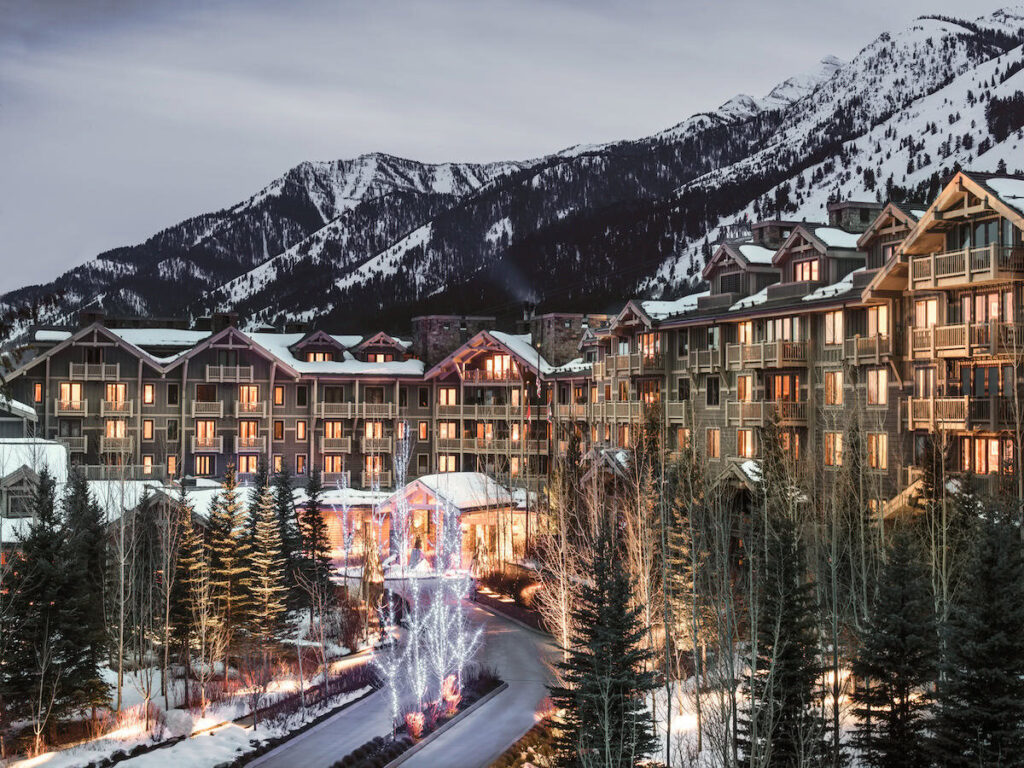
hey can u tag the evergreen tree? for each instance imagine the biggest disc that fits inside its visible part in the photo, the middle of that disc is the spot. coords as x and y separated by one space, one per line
980 714
287 522
83 601
605 682
316 546
780 723
896 661
260 481
266 576
229 561
190 554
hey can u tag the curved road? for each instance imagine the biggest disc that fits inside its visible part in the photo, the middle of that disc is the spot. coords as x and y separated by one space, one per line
520 657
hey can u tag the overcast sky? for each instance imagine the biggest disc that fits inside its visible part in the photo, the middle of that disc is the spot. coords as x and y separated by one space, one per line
121 117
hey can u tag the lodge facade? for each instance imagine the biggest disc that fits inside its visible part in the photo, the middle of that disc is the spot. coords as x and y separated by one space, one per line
906 318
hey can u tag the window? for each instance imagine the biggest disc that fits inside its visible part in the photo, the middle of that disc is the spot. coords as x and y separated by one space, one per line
148 394
248 431
302 396
714 443
379 357
424 397
276 463
514 432
172 430
147 464
247 464
682 344
805 270
446 463
203 465
683 391
424 430
278 395
300 430
403 397
278 429
172 394
834 327
116 393
746 332
115 427
37 392
206 433
446 396
649 345
400 430
71 395
745 443
147 429
319 357
248 398
878 450
745 388
373 429
334 463
878 386
682 438
878 320
446 430
713 391
206 393
300 464
833 387
926 313
833 449
713 337
422 463
172 465
789 442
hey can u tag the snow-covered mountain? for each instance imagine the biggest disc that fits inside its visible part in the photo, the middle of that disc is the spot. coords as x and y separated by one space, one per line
379 239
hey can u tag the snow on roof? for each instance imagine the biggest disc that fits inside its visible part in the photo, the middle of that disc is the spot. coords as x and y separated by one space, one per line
120 495
835 289
917 213
756 254
335 496
49 334
659 310
751 469
522 346
278 345
467 490
35 454
836 238
160 337
1010 191
577 365
15 408
758 298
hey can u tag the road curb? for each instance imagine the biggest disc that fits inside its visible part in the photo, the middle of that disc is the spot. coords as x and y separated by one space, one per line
450 724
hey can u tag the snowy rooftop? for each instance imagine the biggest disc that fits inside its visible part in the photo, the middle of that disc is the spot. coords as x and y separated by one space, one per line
756 254
35 454
751 301
160 337
467 490
659 310
835 289
49 334
1010 191
278 345
836 238
15 408
522 346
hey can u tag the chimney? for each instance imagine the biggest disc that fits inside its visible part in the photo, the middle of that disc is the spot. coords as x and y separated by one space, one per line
222 320
89 316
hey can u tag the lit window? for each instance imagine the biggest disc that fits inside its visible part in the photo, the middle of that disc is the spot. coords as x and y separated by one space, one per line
878 450
203 464
833 387
147 429
682 438
745 443
300 464
834 327
247 464
878 386
300 430
147 465
278 429
148 394
806 270
276 463
37 392
746 332
319 357
424 427
714 443
833 449
878 320
446 463
278 395
446 396
334 464
172 465
745 388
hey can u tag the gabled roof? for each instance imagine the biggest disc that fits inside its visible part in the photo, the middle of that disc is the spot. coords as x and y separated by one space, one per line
745 253
317 338
235 337
892 212
465 491
381 339
821 237
493 341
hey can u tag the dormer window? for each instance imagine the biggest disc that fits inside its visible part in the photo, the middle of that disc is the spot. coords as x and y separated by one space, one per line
319 357
379 357
806 271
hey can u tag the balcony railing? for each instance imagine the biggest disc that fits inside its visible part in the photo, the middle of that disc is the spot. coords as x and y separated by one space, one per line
228 373
75 443
123 408
372 479
968 339
964 412
335 445
116 444
94 371
123 471
791 414
480 376
377 410
214 410
576 411
611 410
765 354
250 410
867 349
756 413
704 360
988 263
250 444
337 479
375 444
71 407
336 410
208 444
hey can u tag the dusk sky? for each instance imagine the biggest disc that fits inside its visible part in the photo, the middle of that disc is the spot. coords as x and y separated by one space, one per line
119 118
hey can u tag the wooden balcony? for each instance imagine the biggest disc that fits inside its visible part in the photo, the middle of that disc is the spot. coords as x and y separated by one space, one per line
705 360
116 444
598 369
966 412
377 410
757 413
74 443
208 444
649 365
574 411
791 414
257 410
123 471
250 444
123 408
336 410
480 376
863 350
611 410
337 479
228 374
94 371
380 479
71 407
207 410
968 340
765 354
967 266
375 444
335 445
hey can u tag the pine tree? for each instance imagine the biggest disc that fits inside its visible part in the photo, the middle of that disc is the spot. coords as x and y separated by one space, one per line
260 480
287 522
896 661
980 713
316 546
266 577
83 601
605 677
229 561
190 554
779 722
